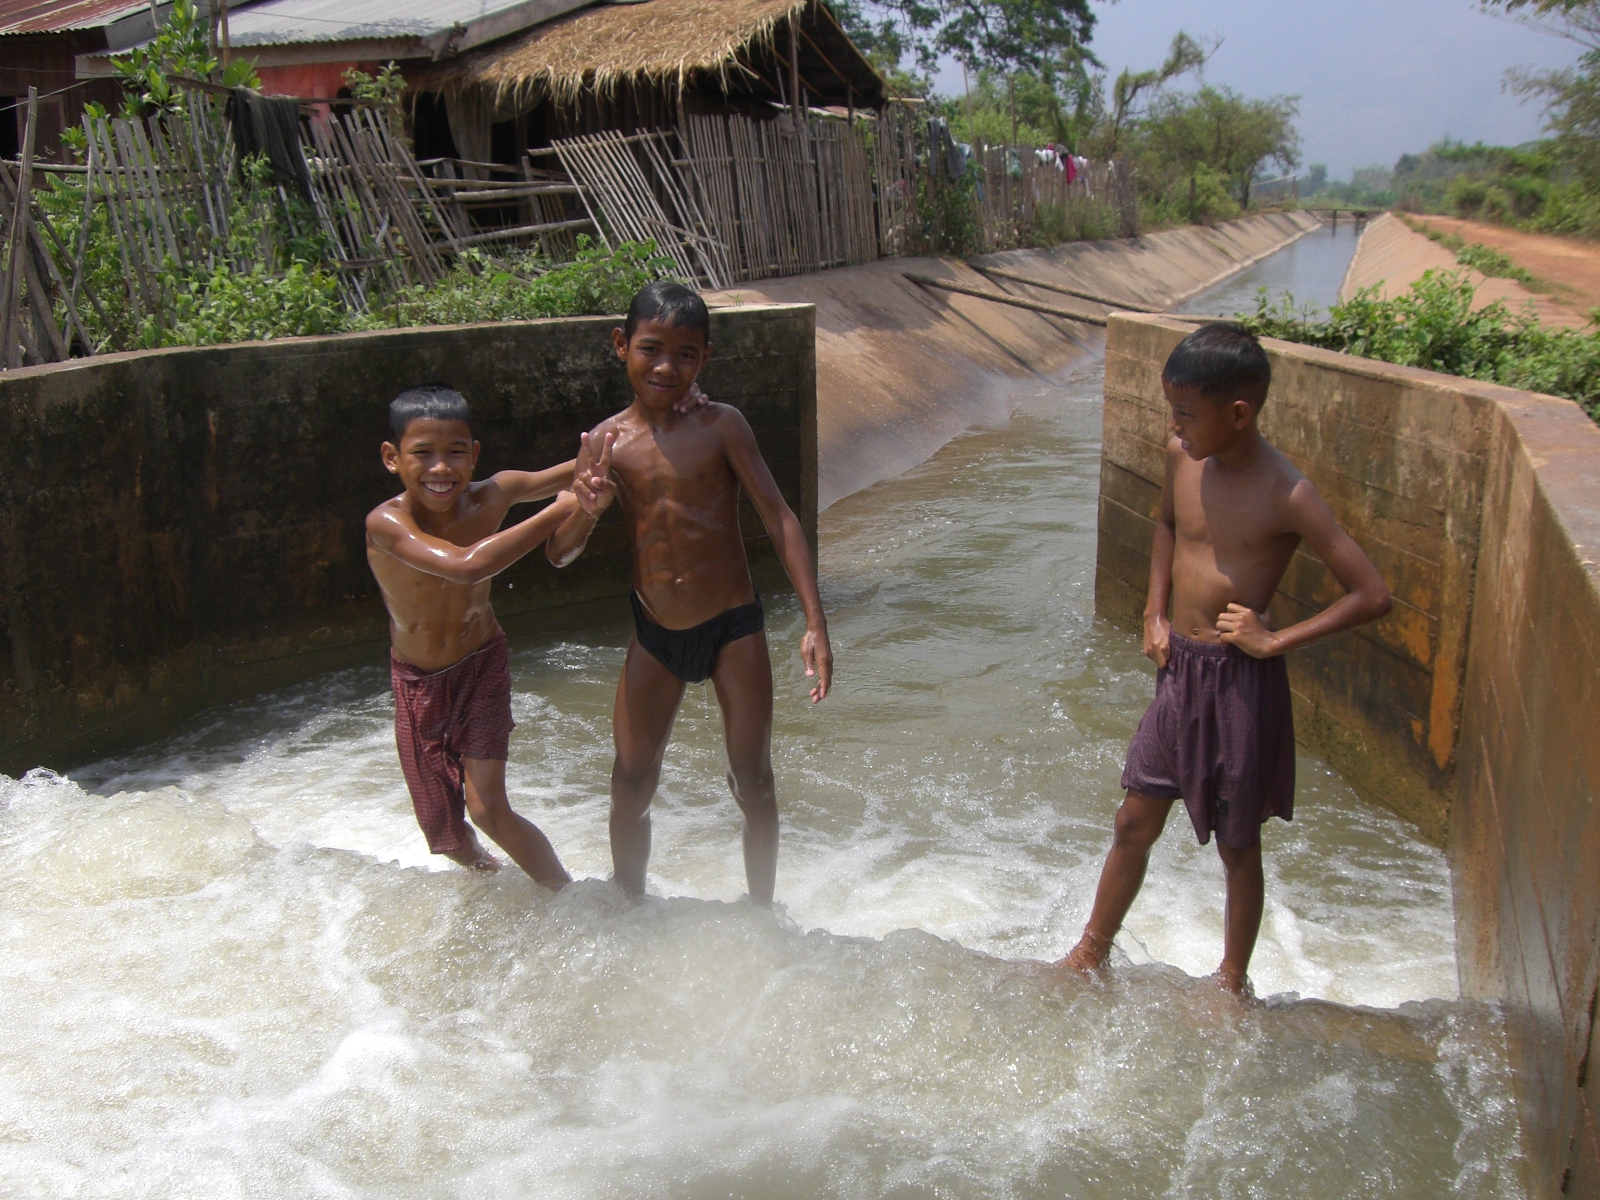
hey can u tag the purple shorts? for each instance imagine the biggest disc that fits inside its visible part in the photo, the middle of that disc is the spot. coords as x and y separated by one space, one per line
1220 735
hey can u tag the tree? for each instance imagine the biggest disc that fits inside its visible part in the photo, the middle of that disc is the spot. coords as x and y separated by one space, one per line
178 49
1006 37
1218 130
1185 55
1578 20
884 39
1571 96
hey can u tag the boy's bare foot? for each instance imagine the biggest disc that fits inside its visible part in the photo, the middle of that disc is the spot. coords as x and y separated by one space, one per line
1230 979
1089 955
474 856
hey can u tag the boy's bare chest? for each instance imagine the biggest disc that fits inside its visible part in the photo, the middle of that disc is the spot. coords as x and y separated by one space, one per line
1232 518
688 470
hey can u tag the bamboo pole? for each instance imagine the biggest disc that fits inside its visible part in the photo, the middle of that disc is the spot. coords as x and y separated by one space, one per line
1001 298
19 224
1014 277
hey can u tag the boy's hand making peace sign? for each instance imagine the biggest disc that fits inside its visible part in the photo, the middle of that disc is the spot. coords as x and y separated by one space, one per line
592 484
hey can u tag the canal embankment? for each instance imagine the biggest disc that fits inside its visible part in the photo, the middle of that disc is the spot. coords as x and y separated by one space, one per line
1392 256
903 368
1466 709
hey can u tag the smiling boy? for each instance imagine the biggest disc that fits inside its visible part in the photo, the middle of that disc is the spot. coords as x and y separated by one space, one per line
434 550
696 613
1220 733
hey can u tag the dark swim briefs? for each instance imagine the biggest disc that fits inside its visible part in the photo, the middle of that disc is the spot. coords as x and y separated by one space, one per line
441 717
691 654
1219 734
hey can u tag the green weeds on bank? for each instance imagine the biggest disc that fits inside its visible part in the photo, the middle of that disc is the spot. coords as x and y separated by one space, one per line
598 281
1434 326
1483 259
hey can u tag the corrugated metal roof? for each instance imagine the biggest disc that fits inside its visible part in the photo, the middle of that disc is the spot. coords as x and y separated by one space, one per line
288 22
56 16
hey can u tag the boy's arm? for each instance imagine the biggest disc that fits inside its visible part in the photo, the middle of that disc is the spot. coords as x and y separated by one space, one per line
594 489
1366 596
788 538
520 487
395 533
1157 626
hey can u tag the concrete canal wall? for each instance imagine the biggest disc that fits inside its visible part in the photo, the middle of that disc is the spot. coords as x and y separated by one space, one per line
1391 256
183 526
1471 708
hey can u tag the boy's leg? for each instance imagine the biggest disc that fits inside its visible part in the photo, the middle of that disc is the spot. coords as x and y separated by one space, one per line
1242 917
743 679
1138 824
648 696
490 810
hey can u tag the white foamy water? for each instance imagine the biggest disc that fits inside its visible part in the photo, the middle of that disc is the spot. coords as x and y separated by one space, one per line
229 967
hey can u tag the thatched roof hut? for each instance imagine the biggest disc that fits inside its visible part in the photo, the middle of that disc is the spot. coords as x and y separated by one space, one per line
639 63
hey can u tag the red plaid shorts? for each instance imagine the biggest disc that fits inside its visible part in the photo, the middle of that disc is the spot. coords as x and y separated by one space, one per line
441 717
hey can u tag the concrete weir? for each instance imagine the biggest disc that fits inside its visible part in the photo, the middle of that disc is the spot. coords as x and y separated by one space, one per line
1471 708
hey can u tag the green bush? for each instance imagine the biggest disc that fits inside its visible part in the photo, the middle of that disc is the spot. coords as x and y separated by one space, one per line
599 281
242 306
1434 326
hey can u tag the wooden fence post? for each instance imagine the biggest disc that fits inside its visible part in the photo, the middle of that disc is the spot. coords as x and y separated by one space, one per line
17 242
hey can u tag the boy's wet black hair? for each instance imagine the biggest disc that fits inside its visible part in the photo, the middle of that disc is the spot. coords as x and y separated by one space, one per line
431 401
1221 358
671 304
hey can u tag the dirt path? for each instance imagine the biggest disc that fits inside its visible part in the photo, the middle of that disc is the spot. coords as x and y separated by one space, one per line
1572 265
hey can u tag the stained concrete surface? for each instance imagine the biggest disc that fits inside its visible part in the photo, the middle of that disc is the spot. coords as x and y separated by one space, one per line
1471 708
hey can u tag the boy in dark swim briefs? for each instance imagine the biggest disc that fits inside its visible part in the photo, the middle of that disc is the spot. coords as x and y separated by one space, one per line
696 613
1220 733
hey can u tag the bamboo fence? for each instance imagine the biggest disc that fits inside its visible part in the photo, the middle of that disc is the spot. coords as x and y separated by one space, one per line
727 198
167 190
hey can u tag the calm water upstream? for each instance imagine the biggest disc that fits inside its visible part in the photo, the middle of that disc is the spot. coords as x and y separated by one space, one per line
230 969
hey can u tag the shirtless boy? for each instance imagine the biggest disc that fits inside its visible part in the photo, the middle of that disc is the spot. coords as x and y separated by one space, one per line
434 549
696 614
1220 733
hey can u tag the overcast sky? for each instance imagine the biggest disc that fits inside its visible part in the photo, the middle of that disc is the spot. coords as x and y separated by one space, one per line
1376 78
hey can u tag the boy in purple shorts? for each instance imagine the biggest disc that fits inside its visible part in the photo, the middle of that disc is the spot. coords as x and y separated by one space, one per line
1220 733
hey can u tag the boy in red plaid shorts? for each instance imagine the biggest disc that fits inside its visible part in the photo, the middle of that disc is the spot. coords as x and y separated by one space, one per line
434 550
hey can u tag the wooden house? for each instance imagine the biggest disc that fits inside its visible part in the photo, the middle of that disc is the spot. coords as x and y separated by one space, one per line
635 66
40 41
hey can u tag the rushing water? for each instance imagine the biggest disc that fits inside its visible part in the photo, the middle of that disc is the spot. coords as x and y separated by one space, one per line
230 969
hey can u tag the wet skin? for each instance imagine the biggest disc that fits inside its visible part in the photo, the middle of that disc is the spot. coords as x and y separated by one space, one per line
1233 511
434 550
679 478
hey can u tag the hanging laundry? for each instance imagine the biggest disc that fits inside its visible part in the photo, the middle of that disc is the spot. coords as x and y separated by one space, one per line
270 125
